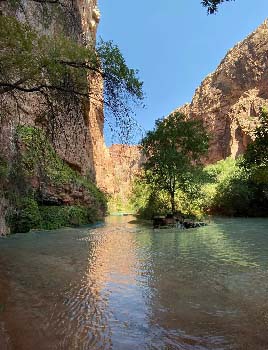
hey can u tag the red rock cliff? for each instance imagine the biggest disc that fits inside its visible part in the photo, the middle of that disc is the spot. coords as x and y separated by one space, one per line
228 100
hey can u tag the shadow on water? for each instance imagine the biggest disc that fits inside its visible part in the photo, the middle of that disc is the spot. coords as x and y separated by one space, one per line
127 286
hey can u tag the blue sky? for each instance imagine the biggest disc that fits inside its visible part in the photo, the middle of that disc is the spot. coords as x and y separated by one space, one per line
174 44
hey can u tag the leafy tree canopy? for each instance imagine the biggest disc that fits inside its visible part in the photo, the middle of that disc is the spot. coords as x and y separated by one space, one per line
256 155
58 71
172 150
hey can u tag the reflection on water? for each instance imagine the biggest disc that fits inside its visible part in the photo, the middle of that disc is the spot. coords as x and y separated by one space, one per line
125 286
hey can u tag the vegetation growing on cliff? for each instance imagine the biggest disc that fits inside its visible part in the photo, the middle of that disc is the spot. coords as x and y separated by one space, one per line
57 71
39 159
256 156
35 169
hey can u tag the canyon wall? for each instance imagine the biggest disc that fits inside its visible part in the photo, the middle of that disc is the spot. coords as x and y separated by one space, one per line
126 163
116 167
228 101
78 137
74 137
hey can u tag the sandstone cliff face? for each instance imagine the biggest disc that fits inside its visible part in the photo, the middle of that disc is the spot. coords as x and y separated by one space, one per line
228 100
73 136
127 162
76 139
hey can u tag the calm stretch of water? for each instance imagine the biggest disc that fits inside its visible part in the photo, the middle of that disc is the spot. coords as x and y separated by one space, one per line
125 286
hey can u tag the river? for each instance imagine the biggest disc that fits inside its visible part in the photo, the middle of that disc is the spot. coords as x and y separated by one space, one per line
123 285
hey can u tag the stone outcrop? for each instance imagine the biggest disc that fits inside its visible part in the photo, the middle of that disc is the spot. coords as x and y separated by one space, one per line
228 101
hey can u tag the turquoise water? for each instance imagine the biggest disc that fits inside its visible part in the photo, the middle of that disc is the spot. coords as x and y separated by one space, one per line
123 285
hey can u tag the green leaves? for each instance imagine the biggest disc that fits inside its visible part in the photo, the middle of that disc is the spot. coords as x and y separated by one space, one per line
256 154
172 150
122 90
2 308
64 76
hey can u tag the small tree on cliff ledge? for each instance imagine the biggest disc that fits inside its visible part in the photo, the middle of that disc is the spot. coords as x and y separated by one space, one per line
173 150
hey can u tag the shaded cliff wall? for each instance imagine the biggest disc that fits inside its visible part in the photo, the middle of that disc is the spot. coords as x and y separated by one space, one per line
228 101
73 136
127 162
77 137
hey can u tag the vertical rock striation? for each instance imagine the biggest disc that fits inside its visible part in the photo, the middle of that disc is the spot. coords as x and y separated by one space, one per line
126 161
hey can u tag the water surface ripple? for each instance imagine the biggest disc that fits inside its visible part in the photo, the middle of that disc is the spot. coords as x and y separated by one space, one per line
123 285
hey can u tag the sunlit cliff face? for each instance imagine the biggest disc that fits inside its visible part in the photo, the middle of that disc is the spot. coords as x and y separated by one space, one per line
90 17
228 100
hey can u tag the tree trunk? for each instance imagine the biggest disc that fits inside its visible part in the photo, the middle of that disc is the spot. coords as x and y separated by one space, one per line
172 201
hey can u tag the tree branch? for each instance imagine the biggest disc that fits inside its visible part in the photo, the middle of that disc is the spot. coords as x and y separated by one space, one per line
7 87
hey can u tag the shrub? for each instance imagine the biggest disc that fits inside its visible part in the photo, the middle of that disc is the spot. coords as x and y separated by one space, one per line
25 216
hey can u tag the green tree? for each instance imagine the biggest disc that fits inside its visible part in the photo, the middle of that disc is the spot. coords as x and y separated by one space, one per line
57 72
233 189
256 155
172 151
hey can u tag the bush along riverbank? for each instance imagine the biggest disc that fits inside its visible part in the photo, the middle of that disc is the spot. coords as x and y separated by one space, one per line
42 191
225 188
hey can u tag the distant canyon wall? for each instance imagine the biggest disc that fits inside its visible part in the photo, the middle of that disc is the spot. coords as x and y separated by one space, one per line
116 168
228 101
